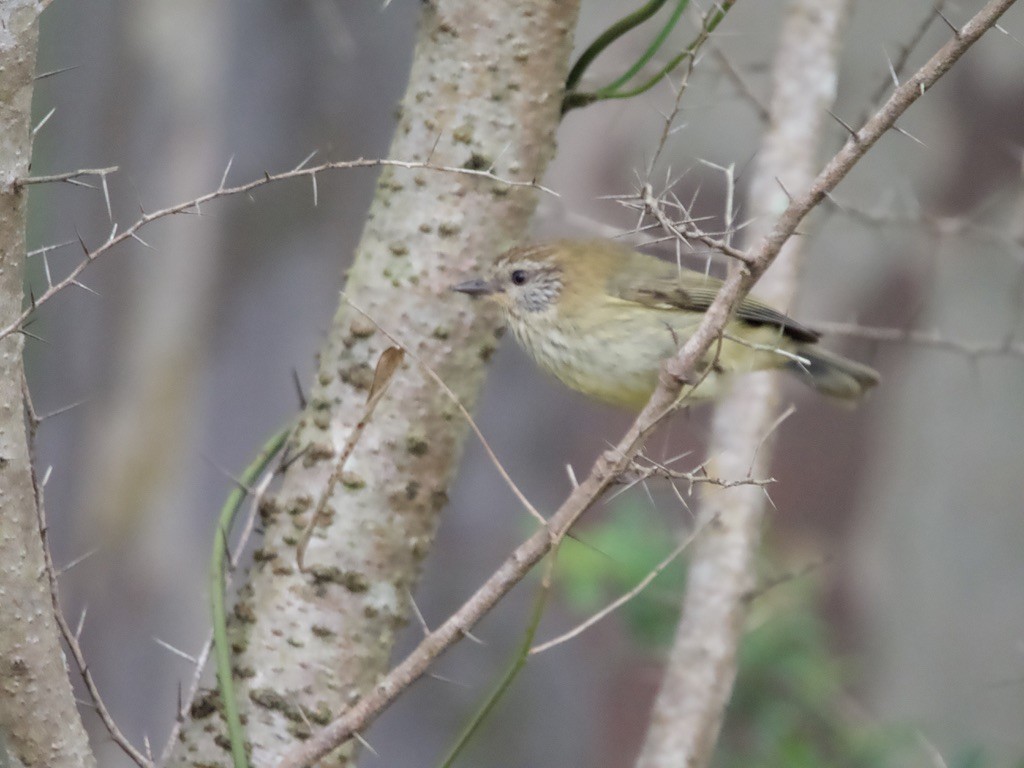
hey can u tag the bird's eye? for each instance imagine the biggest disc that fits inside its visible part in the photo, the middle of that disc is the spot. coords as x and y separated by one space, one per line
518 276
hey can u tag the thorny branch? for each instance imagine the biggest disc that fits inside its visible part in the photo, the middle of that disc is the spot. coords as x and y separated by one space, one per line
684 229
70 176
71 636
675 372
195 204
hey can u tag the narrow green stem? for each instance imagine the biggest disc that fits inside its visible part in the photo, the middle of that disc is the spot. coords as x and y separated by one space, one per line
221 646
609 36
578 99
522 654
651 49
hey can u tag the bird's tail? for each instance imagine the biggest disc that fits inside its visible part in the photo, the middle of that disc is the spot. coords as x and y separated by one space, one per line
832 374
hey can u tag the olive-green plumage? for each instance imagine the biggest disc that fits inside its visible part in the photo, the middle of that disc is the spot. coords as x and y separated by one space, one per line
601 317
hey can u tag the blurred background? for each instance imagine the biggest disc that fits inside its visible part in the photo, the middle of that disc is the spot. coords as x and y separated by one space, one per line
896 539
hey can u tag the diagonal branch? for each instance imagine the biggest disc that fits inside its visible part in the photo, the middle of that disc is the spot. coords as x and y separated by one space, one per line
675 372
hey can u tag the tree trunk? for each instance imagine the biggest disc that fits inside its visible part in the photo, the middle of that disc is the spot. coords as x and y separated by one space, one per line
39 722
698 680
484 92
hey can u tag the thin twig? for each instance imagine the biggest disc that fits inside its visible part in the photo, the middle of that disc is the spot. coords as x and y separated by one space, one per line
462 409
387 365
523 654
193 205
624 598
68 176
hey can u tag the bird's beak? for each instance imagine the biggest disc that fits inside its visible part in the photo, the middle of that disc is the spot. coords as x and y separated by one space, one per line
477 287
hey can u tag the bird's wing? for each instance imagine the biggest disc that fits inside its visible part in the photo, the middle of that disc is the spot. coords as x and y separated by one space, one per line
694 292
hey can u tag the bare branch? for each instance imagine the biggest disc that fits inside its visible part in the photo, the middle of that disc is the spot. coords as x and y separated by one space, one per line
69 176
193 205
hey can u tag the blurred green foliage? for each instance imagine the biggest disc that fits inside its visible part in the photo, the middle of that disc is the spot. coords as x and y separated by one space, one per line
790 706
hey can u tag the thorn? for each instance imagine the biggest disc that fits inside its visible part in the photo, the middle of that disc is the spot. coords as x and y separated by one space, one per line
77 560
909 135
55 72
1006 32
783 188
228 557
43 122
227 168
839 206
308 157
892 71
450 681
46 248
177 652
470 636
84 287
235 481
941 15
78 631
366 745
106 197
136 237
299 393
437 140
853 133
286 462
494 162
29 335
316 194
81 242
419 614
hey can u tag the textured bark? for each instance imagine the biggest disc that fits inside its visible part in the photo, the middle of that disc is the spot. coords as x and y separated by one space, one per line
485 88
698 680
39 722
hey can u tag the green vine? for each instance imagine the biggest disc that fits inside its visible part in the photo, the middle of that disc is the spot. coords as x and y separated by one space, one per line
221 645
575 99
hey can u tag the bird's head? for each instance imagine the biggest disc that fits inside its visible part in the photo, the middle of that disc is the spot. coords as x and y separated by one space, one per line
523 281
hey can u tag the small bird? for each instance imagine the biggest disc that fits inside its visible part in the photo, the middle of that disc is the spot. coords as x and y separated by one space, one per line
601 317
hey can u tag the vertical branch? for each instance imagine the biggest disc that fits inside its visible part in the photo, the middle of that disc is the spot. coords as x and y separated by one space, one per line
39 722
484 93
702 666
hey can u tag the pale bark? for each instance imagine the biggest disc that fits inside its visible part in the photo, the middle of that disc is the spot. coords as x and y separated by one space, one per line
39 722
698 679
485 88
